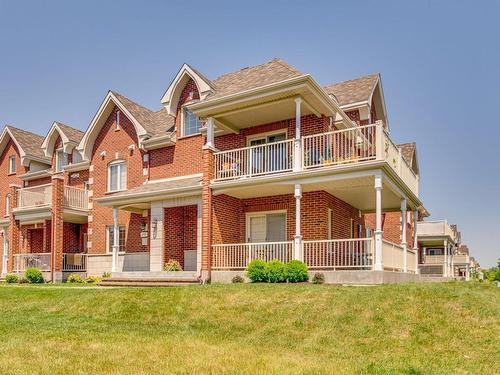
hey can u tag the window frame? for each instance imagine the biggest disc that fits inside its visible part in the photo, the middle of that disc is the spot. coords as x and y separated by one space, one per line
119 164
12 166
183 123
249 215
7 204
58 158
109 236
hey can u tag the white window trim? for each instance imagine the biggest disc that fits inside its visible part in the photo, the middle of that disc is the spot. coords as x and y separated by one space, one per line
7 204
110 231
249 215
12 170
183 134
57 159
117 120
266 134
118 183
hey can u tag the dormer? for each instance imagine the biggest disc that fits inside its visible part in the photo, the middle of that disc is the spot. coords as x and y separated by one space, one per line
61 142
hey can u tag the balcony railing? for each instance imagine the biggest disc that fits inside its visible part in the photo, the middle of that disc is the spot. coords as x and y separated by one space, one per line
36 196
356 253
75 198
32 260
74 262
351 146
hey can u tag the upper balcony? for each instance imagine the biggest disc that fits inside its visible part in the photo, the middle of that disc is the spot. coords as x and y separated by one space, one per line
40 197
355 146
436 229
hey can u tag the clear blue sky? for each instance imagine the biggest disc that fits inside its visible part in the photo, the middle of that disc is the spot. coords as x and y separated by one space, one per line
439 63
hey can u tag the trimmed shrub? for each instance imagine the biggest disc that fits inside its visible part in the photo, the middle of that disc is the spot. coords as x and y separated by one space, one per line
275 271
256 271
93 280
172 266
296 271
237 279
34 276
11 278
106 275
74 278
318 278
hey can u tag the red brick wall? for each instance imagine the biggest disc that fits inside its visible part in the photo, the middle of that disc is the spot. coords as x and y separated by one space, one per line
229 216
391 226
71 238
38 181
77 179
180 228
5 178
115 142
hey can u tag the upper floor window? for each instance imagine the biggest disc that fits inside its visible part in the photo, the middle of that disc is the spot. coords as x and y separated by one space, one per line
117 176
61 160
191 124
12 164
7 205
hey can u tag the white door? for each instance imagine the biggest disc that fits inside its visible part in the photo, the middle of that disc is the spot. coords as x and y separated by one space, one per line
276 227
257 229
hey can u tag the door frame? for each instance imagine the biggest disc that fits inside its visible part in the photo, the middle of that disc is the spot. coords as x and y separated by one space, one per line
248 215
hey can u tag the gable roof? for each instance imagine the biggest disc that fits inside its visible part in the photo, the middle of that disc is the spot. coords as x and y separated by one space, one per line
256 76
354 90
73 134
29 144
156 123
70 138
409 153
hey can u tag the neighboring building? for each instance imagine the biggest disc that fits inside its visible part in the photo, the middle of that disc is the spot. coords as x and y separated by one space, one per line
259 163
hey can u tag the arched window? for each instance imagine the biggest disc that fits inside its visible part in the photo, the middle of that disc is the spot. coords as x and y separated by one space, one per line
117 175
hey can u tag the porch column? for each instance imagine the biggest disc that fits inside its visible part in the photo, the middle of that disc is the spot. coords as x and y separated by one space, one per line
5 254
415 239
57 227
297 146
467 272
445 262
116 241
14 227
210 132
298 237
403 234
378 266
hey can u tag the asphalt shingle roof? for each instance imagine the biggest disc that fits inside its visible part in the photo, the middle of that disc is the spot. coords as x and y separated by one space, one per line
31 143
73 134
353 91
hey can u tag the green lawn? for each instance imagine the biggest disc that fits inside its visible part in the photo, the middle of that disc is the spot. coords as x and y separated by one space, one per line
248 328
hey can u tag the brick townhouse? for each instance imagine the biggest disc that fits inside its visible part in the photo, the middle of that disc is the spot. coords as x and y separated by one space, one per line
261 163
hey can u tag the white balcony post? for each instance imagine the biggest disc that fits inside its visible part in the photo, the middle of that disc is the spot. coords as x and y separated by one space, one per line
445 262
210 133
415 238
379 140
298 237
403 234
378 266
297 147
116 241
5 256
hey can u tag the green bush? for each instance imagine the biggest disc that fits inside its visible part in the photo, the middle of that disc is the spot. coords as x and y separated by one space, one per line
296 271
93 280
74 278
11 278
275 271
106 275
318 278
256 271
34 276
172 265
237 279
23 280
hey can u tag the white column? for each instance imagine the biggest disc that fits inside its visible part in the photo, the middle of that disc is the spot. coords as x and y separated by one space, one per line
403 235
116 241
415 238
445 262
156 237
5 256
298 237
452 263
378 266
210 133
467 272
297 146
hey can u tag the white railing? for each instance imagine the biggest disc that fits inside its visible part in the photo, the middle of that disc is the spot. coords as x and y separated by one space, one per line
32 260
433 259
339 254
238 256
75 198
339 147
74 262
34 196
392 256
254 160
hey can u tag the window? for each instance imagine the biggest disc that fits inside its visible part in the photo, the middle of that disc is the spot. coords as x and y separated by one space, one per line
61 160
191 124
12 164
111 238
269 159
117 176
269 227
7 205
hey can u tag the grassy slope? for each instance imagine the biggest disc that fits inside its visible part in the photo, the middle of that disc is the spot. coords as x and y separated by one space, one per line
425 328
